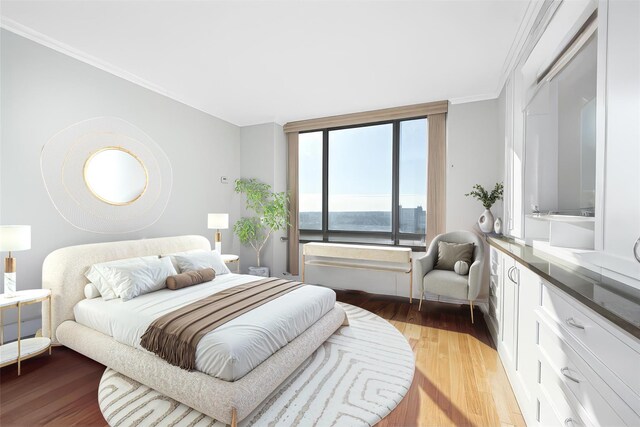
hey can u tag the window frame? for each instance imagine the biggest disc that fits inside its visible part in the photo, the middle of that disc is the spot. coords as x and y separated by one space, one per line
395 235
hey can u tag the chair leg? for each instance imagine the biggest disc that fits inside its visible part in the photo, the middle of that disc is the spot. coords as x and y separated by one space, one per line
420 305
471 307
234 418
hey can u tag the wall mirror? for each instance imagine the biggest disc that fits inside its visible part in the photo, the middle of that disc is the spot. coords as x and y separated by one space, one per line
116 176
106 175
560 139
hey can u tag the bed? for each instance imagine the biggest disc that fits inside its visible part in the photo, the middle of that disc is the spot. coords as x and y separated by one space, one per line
238 365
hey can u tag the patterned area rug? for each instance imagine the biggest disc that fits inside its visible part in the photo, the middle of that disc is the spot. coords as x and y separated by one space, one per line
355 378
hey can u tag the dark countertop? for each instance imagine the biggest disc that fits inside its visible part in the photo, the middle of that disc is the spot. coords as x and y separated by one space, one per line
613 300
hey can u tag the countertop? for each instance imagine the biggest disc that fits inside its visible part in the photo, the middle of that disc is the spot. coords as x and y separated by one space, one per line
613 300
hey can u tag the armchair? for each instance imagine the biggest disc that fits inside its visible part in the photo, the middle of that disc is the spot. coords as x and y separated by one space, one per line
448 283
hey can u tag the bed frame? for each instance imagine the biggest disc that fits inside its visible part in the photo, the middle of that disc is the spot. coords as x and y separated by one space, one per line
229 402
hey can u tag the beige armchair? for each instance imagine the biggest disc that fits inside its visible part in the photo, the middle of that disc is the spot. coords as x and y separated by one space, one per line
448 283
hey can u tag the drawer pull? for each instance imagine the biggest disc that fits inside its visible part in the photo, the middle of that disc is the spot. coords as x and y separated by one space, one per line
568 422
574 324
635 249
565 372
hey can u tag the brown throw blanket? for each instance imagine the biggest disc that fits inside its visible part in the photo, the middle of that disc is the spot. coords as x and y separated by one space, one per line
175 336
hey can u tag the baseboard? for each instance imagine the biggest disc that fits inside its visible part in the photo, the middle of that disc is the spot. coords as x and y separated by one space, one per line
492 325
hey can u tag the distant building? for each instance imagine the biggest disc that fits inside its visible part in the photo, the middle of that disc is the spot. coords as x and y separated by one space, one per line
413 220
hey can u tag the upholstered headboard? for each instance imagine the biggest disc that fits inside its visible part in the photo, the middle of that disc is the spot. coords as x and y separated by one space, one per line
63 269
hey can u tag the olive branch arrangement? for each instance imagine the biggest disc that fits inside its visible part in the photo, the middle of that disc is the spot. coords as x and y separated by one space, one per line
487 199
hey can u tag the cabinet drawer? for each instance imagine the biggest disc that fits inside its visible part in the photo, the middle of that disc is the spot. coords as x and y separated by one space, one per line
557 406
599 402
558 413
546 414
603 345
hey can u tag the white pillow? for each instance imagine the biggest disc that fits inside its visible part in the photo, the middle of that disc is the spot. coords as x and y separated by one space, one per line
173 257
97 274
201 259
461 268
134 280
90 291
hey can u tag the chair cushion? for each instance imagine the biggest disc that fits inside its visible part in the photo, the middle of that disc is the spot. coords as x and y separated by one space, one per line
450 253
446 283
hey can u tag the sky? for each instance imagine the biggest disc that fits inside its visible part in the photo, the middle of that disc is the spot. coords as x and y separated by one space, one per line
360 167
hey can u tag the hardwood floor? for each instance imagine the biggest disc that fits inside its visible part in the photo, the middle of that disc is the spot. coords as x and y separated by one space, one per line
459 379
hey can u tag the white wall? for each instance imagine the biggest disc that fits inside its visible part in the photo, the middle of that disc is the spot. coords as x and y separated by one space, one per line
475 155
42 92
264 157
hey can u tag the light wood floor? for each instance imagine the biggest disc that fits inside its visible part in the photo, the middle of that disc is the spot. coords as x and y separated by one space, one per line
459 379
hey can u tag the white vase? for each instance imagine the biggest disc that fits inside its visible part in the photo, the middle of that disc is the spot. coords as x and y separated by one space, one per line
485 222
497 226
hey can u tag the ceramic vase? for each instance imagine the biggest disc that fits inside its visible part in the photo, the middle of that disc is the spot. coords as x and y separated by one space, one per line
485 222
497 226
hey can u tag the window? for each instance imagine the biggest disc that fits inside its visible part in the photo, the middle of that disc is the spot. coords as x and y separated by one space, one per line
310 180
360 163
364 183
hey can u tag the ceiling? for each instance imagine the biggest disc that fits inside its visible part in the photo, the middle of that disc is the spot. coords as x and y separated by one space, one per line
251 62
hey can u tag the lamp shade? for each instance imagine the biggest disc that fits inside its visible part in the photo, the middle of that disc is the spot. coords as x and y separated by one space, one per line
15 238
218 221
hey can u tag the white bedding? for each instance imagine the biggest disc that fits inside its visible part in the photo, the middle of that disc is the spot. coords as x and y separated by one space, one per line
231 350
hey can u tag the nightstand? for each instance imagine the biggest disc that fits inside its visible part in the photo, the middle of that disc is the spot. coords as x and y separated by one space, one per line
23 348
232 261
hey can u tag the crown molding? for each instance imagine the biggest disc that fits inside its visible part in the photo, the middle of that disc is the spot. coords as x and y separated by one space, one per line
44 40
33 35
527 25
475 98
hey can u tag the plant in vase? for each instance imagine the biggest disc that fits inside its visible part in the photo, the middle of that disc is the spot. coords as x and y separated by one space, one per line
488 199
272 215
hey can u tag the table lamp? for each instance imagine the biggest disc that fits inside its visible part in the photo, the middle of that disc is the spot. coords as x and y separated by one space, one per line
218 221
13 238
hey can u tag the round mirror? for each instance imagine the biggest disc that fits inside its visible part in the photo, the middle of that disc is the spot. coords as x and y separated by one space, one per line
115 176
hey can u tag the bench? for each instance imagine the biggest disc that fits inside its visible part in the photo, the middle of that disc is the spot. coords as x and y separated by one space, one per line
340 255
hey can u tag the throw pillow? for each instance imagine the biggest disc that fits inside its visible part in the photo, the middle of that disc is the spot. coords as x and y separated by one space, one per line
450 253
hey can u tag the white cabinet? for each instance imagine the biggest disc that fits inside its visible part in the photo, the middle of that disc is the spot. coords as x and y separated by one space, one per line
621 200
586 363
518 332
509 325
529 285
566 364
617 198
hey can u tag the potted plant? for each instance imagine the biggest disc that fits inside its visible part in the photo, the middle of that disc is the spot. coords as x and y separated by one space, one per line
485 222
272 215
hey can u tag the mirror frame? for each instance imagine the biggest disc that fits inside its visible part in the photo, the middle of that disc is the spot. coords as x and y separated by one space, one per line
109 148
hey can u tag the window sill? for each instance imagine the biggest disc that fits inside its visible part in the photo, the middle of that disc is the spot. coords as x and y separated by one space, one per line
413 248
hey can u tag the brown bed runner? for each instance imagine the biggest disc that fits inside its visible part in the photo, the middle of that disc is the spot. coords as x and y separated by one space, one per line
175 336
